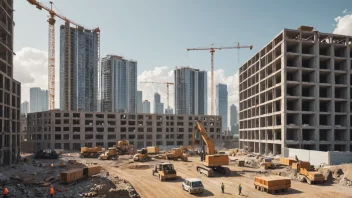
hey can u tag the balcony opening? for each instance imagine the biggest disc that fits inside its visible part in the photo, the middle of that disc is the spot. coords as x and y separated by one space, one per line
308 134
324 135
292 134
308 120
325 120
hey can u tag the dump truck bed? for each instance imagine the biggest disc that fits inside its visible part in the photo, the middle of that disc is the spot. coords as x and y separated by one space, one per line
272 183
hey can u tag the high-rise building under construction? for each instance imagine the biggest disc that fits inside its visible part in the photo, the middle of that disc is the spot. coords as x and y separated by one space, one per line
119 84
10 90
79 69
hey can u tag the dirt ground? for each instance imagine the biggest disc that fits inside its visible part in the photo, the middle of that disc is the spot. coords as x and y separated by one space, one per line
149 186
126 178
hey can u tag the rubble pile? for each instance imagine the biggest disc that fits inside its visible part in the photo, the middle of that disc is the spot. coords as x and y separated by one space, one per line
34 178
341 174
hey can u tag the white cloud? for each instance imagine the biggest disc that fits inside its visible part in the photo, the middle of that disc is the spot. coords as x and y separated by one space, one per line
343 24
31 69
165 74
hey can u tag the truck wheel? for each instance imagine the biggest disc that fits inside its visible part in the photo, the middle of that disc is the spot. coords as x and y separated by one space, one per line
153 172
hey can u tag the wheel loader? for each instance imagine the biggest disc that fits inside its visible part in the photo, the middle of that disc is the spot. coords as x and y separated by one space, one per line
164 170
141 156
87 152
111 153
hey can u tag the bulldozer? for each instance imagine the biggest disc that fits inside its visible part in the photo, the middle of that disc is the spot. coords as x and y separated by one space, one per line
164 170
213 161
111 153
177 153
87 152
141 156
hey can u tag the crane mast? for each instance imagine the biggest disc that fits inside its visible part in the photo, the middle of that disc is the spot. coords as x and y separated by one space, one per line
51 45
212 50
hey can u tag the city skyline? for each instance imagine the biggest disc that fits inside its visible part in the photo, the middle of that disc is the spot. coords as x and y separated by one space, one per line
31 55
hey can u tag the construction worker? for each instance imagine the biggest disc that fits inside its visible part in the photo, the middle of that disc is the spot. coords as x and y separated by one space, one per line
5 193
52 191
239 189
222 187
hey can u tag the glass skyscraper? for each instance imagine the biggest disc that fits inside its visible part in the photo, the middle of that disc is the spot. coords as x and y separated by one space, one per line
190 91
221 103
79 69
38 99
119 84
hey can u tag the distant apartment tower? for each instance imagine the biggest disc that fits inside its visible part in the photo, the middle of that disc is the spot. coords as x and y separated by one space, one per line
38 99
169 111
79 69
25 107
190 91
233 115
119 84
296 93
146 106
158 106
10 97
221 103
139 101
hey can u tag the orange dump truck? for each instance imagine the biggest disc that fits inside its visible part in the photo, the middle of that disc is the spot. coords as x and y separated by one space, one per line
287 161
308 174
272 184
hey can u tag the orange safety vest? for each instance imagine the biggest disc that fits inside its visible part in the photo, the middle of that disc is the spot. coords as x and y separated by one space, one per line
6 191
51 190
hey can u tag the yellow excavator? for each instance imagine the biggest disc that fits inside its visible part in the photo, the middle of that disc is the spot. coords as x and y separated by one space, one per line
123 147
177 153
213 162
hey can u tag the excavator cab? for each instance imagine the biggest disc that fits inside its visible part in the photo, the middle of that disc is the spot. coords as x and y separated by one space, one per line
123 147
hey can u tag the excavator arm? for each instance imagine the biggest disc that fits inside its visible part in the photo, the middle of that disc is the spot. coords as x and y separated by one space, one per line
208 141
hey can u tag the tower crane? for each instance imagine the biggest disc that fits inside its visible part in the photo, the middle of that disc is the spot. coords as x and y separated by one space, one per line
167 89
51 45
212 50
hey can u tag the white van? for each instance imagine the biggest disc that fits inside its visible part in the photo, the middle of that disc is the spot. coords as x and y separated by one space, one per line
193 185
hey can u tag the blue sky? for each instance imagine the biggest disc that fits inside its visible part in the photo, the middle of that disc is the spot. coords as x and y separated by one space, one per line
157 32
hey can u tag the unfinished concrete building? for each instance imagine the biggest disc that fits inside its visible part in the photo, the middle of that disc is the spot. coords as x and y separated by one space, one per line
296 93
10 89
71 130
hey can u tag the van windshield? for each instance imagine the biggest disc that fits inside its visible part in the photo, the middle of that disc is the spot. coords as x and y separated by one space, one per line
197 184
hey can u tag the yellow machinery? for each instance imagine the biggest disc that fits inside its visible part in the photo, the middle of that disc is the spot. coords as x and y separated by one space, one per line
306 173
153 150
213 162
109 154
267 163
164 171
177 153
123 147
141 156
87 152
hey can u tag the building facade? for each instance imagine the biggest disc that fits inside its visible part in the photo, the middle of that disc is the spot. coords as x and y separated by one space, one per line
139 101
222 103
146 106
25 107
79 69
169 111
233 115
10 89
119 84
296 93
190 91
38 99
158 106
71 130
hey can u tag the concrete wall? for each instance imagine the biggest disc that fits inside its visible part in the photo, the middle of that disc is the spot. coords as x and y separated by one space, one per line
340 157
319 157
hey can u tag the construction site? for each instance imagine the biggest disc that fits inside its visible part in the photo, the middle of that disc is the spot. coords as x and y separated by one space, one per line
294 122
